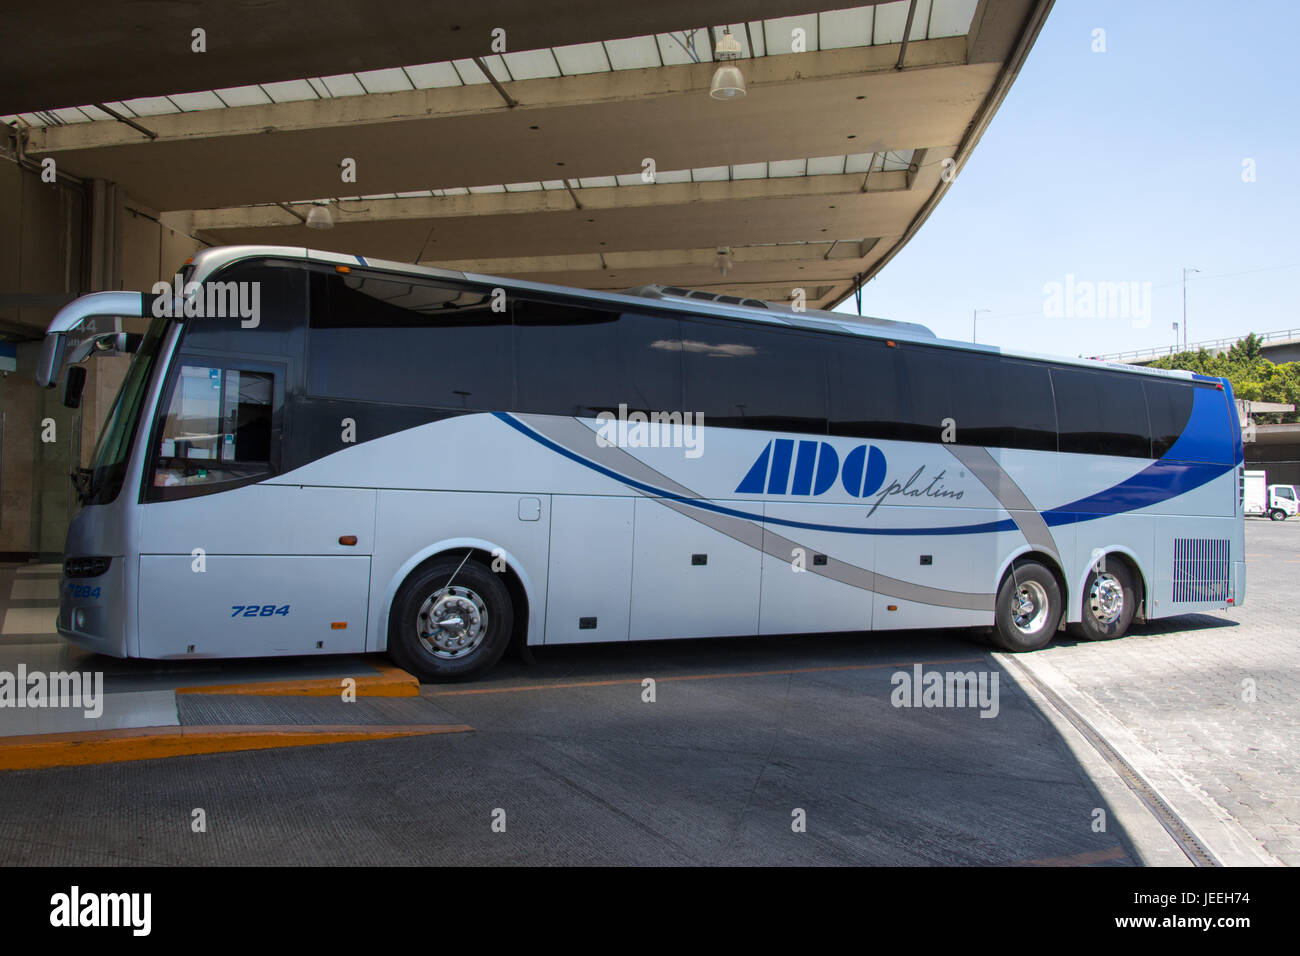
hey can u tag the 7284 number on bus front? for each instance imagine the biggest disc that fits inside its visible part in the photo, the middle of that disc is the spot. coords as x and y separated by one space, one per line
258 610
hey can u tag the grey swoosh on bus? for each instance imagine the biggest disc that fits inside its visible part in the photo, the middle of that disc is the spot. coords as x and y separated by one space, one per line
571 434
1003 487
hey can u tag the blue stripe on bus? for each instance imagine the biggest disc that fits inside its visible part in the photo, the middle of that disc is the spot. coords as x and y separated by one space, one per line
1203 437
362 261
986 527
1159 481
1203 452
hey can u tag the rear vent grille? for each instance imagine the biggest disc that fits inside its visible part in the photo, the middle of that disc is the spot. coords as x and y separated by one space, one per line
1200 569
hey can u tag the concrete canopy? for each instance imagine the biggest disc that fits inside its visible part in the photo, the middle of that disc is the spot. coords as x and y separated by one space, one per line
539 177
88 51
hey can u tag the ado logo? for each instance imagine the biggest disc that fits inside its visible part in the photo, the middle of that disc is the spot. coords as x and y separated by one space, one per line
811 469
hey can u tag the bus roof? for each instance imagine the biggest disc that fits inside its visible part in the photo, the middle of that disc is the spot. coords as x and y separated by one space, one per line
671 298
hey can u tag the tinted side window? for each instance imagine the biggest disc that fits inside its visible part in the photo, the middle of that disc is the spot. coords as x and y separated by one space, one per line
743 376
1002 403
1101 413
256 307
866 394
1169 405
408 342
929 398
573 360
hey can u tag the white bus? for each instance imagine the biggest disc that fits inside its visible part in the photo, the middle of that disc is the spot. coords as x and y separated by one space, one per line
421 461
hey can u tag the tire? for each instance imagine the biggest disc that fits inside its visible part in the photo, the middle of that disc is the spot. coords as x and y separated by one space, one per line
1277 514
1109 603
1038 616
473 597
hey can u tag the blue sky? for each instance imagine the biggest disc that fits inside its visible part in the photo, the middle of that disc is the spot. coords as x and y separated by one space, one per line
1123 166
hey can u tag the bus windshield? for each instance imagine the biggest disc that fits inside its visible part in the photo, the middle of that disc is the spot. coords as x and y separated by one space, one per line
100 483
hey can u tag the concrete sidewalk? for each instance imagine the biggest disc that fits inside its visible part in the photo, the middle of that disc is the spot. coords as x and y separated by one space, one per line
1174 697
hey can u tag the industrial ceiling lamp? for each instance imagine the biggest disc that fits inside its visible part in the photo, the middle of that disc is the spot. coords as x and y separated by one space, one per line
319 217
728 83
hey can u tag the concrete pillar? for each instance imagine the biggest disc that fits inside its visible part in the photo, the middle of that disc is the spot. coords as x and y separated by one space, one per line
58 241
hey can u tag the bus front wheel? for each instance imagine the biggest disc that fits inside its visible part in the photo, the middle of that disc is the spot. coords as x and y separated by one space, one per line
1028 608
451 620
1109 603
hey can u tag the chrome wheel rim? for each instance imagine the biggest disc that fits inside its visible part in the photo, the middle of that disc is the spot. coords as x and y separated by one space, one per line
1106 599
1029 607
452 622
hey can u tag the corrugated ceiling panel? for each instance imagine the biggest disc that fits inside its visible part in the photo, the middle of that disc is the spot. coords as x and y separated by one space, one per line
290 91
787 167
581 58
858 162
825 165
845 28
951 18
196 101
343 84
469 72
779 33
431 76
711 174
531 65
921 20
384 81
673 176
151 106
634 53
891 18
671 47
243 96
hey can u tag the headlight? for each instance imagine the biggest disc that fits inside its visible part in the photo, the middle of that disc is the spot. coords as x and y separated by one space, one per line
86 567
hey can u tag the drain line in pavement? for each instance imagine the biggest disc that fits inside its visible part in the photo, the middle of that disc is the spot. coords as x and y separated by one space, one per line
1187 841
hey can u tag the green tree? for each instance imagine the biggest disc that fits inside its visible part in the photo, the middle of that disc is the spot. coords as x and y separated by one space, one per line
1253 377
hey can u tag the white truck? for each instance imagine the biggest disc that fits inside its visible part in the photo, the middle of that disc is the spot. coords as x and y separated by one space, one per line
1274 501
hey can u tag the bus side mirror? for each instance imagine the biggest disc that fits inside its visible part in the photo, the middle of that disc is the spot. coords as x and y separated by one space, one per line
73 387
51 359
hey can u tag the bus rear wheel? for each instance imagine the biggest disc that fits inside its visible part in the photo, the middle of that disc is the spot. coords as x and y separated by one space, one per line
450 621
1109 603
1028 608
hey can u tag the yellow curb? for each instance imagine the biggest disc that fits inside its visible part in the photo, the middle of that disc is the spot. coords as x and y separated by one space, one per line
515 688
82 748
389 682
